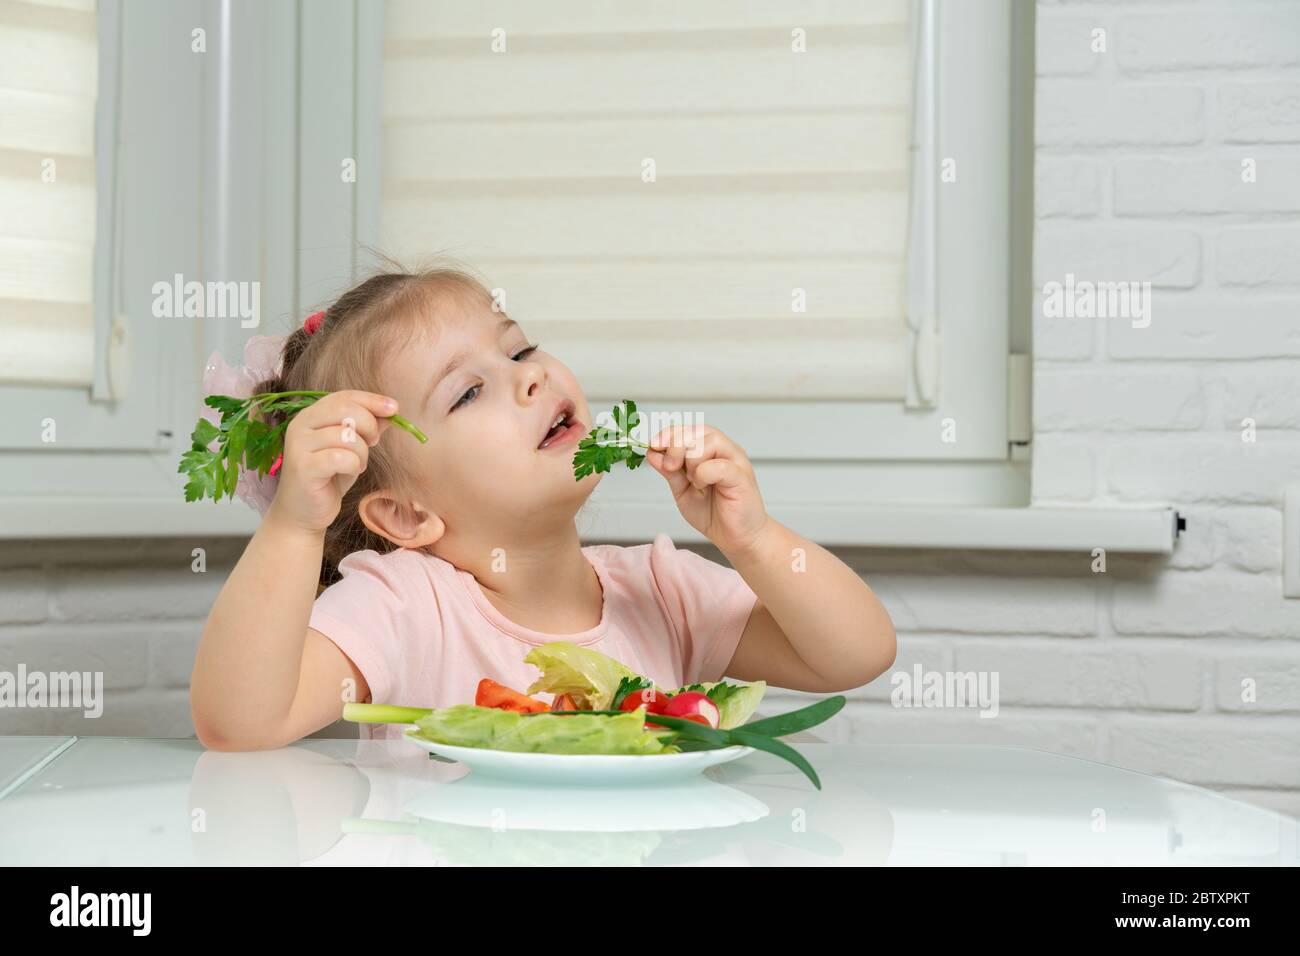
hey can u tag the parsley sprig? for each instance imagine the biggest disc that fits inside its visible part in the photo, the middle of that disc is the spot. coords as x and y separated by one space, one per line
719 693
605 446
251 435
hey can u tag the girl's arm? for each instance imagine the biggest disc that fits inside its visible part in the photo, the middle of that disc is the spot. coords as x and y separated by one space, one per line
816 626
261 678
819 629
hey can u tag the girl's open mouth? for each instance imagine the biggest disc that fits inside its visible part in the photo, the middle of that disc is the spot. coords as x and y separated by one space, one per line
569 430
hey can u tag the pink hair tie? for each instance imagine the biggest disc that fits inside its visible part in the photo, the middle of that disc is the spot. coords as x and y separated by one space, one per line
263 360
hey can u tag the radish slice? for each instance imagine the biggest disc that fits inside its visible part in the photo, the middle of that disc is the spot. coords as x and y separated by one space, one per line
693 702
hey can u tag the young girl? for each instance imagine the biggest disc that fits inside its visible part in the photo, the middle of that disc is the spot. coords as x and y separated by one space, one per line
445 562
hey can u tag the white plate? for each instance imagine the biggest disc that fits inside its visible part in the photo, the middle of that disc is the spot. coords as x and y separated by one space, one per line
595 770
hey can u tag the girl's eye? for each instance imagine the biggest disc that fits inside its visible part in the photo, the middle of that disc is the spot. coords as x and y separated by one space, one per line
465 399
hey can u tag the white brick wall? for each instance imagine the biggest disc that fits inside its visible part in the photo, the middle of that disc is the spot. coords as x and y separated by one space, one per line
1139 156
1138 177
133 610
1138 165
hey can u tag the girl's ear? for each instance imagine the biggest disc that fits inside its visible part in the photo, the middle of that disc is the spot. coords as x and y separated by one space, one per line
406 524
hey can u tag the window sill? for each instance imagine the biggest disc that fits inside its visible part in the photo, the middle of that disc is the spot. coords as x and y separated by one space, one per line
1145 529
122 517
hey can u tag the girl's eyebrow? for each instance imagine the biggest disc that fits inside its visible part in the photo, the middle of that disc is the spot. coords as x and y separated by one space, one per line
459 359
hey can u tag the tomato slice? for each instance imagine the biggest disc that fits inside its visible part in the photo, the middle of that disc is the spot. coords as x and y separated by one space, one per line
652 698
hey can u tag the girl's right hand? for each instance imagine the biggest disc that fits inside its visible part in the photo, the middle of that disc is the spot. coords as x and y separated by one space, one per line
326 446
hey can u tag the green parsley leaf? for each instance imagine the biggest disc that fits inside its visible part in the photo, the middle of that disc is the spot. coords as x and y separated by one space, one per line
718 693
604 447
251 436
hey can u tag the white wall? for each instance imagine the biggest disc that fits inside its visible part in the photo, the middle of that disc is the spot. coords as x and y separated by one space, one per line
1138 161
1138 178
132 609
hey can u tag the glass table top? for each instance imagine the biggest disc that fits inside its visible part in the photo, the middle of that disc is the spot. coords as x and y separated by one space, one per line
323 802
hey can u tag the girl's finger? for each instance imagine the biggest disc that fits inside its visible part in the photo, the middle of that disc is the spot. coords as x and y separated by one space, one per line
713 445
328 462
364 426
692 445
721 472
381 406
687 445
680 436
338 436
677 479
338 460
706 449
336 405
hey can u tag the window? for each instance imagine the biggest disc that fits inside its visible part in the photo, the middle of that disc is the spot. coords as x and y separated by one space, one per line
683 206
48 79
781 181
94 451
522 138
84 371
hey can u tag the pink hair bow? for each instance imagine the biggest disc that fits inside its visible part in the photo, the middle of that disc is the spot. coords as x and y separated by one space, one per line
262 360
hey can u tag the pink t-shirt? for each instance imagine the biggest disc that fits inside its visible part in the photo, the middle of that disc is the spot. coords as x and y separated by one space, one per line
423 633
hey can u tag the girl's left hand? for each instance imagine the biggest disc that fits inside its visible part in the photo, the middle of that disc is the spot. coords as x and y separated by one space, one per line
713 483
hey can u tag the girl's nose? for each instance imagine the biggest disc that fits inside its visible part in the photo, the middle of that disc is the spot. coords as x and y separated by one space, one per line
531 379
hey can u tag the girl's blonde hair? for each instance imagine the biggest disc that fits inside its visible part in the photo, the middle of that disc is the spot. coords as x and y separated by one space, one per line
363 327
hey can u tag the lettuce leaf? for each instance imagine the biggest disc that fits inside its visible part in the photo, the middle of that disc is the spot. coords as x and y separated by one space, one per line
589 677
736 702
595 681
490 728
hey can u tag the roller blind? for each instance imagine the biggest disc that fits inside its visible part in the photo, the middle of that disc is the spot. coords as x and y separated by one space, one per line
48 70
765 259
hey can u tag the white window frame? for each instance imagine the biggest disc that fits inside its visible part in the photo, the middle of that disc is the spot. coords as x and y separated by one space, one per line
273 137
195 174
118 411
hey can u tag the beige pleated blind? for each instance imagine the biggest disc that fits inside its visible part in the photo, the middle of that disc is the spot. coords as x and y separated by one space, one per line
48 69
764 260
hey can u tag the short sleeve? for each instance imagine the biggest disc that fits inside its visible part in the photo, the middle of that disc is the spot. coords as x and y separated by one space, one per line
363 614
709 603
